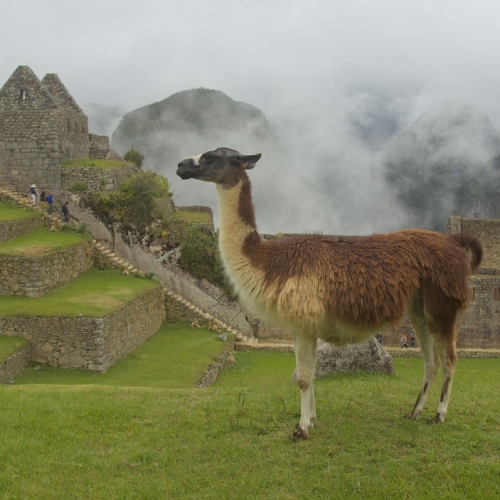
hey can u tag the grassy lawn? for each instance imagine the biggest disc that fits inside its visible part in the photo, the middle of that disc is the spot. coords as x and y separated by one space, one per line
94 294
95 163
10 211
175 357
10 345
38 242
193 217
232 440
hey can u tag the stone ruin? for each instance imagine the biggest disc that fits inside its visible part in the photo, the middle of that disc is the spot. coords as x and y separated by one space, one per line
41 125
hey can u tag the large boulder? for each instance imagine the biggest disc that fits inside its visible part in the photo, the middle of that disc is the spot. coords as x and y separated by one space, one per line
369 357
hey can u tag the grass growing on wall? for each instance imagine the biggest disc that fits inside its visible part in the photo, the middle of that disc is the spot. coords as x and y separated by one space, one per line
94 294
9 211
10 345
94 163
40 241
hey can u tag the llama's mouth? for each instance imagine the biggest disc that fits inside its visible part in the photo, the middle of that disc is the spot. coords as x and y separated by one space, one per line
187 169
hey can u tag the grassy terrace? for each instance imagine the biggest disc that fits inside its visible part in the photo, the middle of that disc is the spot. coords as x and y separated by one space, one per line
94 163
95 294
175 357
10 345
39 242
9 211
193 217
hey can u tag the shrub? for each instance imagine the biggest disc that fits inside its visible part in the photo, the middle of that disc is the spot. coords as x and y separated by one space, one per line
79 187
133 205
200 257
138 193
135 157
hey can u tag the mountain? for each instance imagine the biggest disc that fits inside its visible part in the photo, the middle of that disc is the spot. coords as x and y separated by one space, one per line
443 165
190 122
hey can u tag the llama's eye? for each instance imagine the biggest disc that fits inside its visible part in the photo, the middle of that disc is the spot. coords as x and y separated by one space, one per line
207 157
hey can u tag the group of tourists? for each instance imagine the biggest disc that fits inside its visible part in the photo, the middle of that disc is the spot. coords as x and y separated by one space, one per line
47 202
408 340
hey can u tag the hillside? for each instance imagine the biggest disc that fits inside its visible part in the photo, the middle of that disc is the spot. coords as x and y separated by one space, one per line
188 121
443 165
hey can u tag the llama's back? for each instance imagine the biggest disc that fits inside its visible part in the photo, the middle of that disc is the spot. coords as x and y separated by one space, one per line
365 281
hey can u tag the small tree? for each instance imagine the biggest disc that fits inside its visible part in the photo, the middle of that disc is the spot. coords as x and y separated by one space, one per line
135 157
137 197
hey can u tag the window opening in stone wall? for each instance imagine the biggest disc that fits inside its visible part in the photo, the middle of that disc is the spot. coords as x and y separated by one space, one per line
69 126
23 95
496 294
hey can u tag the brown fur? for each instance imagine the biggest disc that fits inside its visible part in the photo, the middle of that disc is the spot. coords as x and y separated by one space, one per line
366 282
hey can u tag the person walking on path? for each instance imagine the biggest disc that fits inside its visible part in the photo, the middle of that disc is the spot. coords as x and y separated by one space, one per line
65 211
43 201
33 194
50 201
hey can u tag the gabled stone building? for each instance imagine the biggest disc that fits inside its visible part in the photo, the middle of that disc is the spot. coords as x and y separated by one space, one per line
41 125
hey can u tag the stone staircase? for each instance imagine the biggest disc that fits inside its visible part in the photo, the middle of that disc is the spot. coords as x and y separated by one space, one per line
22 201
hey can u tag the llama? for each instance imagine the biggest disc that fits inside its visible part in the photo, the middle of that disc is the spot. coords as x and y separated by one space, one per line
338 289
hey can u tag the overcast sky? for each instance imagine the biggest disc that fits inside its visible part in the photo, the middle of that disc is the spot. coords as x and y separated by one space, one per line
299 61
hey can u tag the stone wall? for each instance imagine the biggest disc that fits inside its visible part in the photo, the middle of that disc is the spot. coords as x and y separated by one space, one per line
34 276
216 368
14 365
96 179
90 343
487 231
480 327
13 228
99 146
40 126
176 311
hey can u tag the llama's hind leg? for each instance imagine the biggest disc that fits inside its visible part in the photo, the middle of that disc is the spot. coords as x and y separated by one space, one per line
431 359
305 353
446 349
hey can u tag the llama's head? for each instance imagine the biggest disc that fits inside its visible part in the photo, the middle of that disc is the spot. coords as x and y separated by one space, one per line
223 166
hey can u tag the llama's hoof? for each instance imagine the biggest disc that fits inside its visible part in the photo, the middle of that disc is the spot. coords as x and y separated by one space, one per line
410 416
299 433
435 420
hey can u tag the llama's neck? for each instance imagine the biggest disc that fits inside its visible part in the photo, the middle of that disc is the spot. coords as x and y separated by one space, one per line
237 227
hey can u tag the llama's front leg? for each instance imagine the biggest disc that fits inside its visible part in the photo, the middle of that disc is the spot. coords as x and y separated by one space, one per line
305 354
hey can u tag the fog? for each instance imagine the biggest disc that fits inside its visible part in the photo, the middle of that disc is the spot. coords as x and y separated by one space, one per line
339 82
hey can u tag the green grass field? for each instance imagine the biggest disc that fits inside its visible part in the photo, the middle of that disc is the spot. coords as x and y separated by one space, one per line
40 241
60 439
10 211
193 217
94 294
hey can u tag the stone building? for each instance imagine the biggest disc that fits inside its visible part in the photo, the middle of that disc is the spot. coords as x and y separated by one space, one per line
41 125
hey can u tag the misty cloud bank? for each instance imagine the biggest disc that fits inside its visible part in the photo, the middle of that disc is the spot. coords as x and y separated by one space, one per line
349 165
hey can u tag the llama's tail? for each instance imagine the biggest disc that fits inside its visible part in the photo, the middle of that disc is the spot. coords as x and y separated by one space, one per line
471 243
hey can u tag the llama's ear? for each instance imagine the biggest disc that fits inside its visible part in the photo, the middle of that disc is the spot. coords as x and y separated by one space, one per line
249 161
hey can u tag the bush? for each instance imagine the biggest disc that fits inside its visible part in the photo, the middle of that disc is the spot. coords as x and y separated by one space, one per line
137 198
135 157
79 187
133 205
200 257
